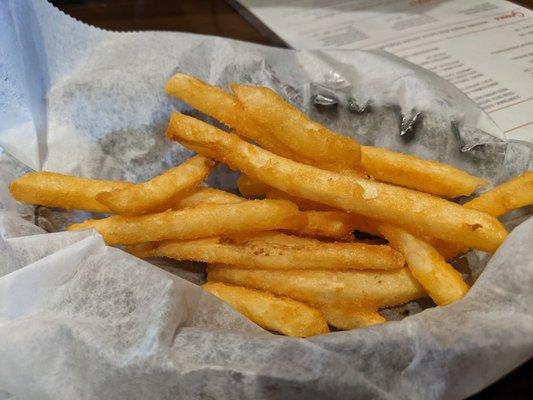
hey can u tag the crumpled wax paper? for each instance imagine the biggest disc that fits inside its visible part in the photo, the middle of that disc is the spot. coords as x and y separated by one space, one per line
79 319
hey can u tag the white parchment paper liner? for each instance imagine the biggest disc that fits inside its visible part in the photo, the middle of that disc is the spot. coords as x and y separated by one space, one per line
82 320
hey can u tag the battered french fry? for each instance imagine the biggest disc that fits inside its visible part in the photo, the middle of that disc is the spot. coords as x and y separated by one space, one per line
346 317
160 192
350 222
303 204
206 195
327 224
442 282
219 104
271 312
210 100
202 221
294 129
367 289
516 193
57 190
414 211
250 188
260 251
413 172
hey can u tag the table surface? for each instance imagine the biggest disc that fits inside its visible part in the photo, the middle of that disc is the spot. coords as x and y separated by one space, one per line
228 19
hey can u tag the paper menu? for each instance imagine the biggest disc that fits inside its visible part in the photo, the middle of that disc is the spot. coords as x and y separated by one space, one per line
484 47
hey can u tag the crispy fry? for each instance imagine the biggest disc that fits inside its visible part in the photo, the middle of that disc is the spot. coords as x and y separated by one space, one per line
442 282
367 289
210 100
448 250
206 195
160 192
271 312
251 188
516 193
303 204
330 224
57 190
417 173
418 212
346 317
279 251
350 222
294 129
513 194
219 104
327 224
191 223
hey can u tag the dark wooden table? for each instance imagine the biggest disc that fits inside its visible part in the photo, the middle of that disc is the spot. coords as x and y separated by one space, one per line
228 19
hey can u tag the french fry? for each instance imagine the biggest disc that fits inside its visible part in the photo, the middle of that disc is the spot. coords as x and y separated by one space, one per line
346 317
281 252
271 312
210 100
206 195
516 193
414 211
250 188
441 281
364 289
417 173
222 106
51 189
326 224
160 192
351 222
383 164
192 223
294 129
303 204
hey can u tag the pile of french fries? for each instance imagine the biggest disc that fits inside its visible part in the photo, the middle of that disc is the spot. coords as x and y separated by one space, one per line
284 253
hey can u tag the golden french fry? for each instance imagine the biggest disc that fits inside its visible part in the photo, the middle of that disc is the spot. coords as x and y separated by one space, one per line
271 312
383 164
191 223
367 289
303 204
350 221
417 173
57 190
513 194
219 104
160 192
414 211
327 224
210 100
516 193
279 251
346 317
250 188
206 195
443 283
294 129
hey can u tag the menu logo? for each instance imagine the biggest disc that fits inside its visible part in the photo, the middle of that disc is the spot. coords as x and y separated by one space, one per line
508 15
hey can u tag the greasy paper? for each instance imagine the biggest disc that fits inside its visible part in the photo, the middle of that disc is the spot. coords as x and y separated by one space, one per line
81 319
